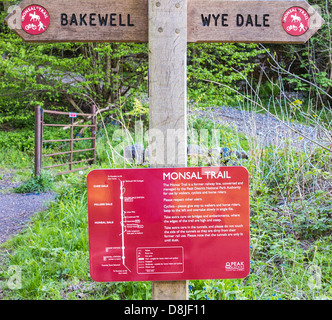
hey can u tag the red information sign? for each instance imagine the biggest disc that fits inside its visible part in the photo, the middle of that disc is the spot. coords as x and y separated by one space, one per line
35 19
168 223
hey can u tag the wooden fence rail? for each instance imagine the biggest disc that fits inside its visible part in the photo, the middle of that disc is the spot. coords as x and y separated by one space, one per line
39 125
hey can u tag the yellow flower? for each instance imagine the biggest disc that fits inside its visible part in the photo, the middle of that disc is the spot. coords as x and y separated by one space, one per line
22 158
296 104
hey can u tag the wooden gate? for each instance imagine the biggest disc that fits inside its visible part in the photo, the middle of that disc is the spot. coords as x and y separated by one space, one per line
40 124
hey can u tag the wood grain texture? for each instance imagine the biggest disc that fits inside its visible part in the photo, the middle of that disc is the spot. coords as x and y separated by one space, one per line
269 31
170 290
95 30
167 103
168 79
265 14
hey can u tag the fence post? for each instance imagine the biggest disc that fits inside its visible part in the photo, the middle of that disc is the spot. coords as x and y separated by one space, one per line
38 140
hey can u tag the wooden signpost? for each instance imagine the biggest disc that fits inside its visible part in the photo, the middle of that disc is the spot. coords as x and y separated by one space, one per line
167 25
128 21
168 101
249 21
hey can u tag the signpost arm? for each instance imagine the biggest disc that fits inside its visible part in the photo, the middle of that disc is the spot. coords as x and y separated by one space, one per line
167 103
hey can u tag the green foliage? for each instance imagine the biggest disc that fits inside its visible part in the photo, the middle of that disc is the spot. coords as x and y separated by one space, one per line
290 199
269 89
290 223
208 134
312 217
294 273
290 227
13 158
227 64
53 253
64 75
307 67
71 75
22 140
292 173
58 76
138 111
42 183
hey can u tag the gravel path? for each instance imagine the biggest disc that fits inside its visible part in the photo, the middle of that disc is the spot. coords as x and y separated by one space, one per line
16 209
265 128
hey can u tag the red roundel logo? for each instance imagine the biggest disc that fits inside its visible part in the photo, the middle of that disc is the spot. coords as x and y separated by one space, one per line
295 21
35 19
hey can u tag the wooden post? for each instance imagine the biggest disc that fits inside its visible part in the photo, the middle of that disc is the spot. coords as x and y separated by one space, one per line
38 140
167 103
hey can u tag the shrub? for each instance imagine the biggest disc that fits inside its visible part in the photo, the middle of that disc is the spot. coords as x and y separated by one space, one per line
41 183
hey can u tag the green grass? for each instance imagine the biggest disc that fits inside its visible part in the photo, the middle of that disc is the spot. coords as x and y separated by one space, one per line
291 250
42 183
52 253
